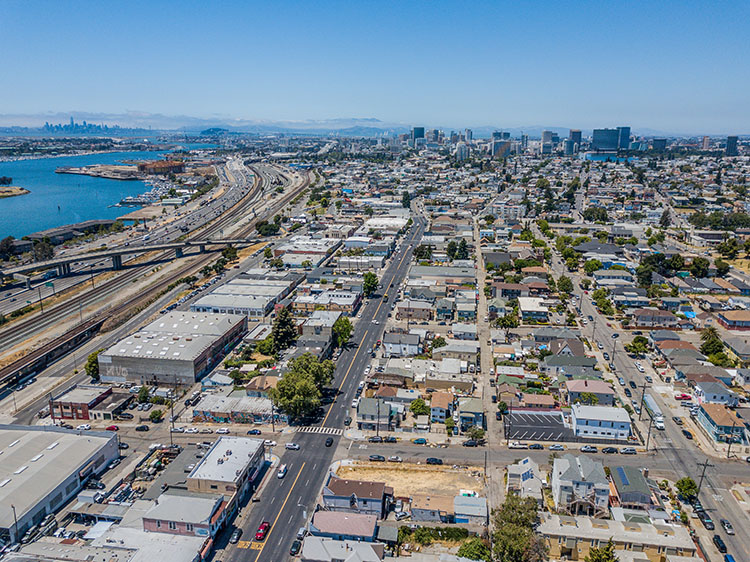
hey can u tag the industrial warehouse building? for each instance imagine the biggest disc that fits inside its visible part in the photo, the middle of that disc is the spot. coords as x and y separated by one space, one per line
178 348
42 468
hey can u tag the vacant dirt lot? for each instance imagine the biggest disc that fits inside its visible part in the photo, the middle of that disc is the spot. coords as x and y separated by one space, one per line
407 479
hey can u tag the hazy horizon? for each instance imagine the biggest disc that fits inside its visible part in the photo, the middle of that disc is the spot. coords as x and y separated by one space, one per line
672 67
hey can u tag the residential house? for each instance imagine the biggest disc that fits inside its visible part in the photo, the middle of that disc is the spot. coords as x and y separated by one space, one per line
356 496
199 515
414 310
572 538
470 413
734 319
431 507
401 345
600 422
633 491
444 310
654 318
580 486
462 331
319 549
546 334
714 393
603 392
538 401
374 413
458 349
525 479
441 406
470 510
567 365
533 309
721 424
572 347
344 526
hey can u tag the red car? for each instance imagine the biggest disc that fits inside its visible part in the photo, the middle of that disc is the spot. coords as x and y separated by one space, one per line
262 531
111 428
682 396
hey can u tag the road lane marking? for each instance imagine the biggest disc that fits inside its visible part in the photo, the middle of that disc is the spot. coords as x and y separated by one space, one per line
273 526
354 360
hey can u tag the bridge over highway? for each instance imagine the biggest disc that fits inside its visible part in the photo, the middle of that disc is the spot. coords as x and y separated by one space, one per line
62 264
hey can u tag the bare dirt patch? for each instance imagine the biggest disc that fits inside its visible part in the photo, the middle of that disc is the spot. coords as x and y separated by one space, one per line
408 479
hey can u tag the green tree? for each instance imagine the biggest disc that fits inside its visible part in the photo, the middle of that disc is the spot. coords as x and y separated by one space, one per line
722 267
462 252
604 553
564 284
284 331
514 537
43 250
143 394
438 342
588 398
229 253
342 329
450 250
572 263
687 487
474 548
6 247
92 365
296 394
729 248
423 252
591 266
267 253
508 322
369 283
368 211
665 219
699 267
405 200
418 407
475 432
156 415
320 371
276 263
639 346
712 343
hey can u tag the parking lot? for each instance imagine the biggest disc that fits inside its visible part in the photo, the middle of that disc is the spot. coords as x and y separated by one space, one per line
537 427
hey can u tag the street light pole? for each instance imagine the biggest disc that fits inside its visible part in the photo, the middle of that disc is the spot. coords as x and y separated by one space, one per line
643 396
648 438
705 465
15 521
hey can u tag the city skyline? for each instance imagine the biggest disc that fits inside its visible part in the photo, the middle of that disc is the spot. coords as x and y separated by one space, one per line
665 68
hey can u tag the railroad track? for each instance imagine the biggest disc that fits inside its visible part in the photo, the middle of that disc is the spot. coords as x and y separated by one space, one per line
39 358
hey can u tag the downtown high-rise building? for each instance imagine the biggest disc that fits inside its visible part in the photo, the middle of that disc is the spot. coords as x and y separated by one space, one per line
605 139
705 143
417 133
575 136
731 146
623 137
497 135
569 147
546 137
468 135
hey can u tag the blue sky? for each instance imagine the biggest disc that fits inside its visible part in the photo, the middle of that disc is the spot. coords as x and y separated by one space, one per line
671 66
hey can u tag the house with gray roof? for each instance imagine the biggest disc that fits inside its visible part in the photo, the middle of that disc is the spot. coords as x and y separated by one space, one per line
400 345
632 488
568 365
580 486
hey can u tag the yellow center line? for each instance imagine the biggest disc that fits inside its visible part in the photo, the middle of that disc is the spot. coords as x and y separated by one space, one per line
359 348
273 527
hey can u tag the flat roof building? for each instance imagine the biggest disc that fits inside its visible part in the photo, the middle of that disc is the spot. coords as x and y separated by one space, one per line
178 348
42 468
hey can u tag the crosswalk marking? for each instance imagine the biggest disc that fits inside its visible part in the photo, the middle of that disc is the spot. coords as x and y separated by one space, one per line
244 544
317 429
256 546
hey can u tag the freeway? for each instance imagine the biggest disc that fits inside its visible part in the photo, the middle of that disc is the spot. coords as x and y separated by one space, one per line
673 450
286 503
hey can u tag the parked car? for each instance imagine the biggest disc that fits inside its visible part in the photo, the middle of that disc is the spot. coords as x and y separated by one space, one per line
628 451
470 443
434 460
141 428
377 458
113 464
720 544
295 548
589 449
498 415
677 420
536 446
236 534
253 432
420 441
375 439
610 450
83 427
125 416
557 447
262 531
348 421
395 458
123 446
687 434
632 385
683 396
706 520
390 439
727 526
222 430
112 428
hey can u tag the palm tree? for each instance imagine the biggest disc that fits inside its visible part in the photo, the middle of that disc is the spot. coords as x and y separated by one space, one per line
709 333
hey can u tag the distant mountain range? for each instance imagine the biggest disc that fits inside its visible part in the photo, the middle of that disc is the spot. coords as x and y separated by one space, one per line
141 123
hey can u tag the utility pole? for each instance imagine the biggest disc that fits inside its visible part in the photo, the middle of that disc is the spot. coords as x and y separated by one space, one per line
648 438
509 421
273 422
705 464
377 421
643 396
15 522
41 301
731 439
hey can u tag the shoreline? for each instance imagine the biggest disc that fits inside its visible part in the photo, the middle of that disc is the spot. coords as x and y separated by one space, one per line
12 191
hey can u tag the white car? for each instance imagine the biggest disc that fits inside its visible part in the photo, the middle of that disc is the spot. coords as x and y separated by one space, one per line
269 443
191 430
518 445
355 402
222 430
395 458
282 471
83 427
292 446
177 430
